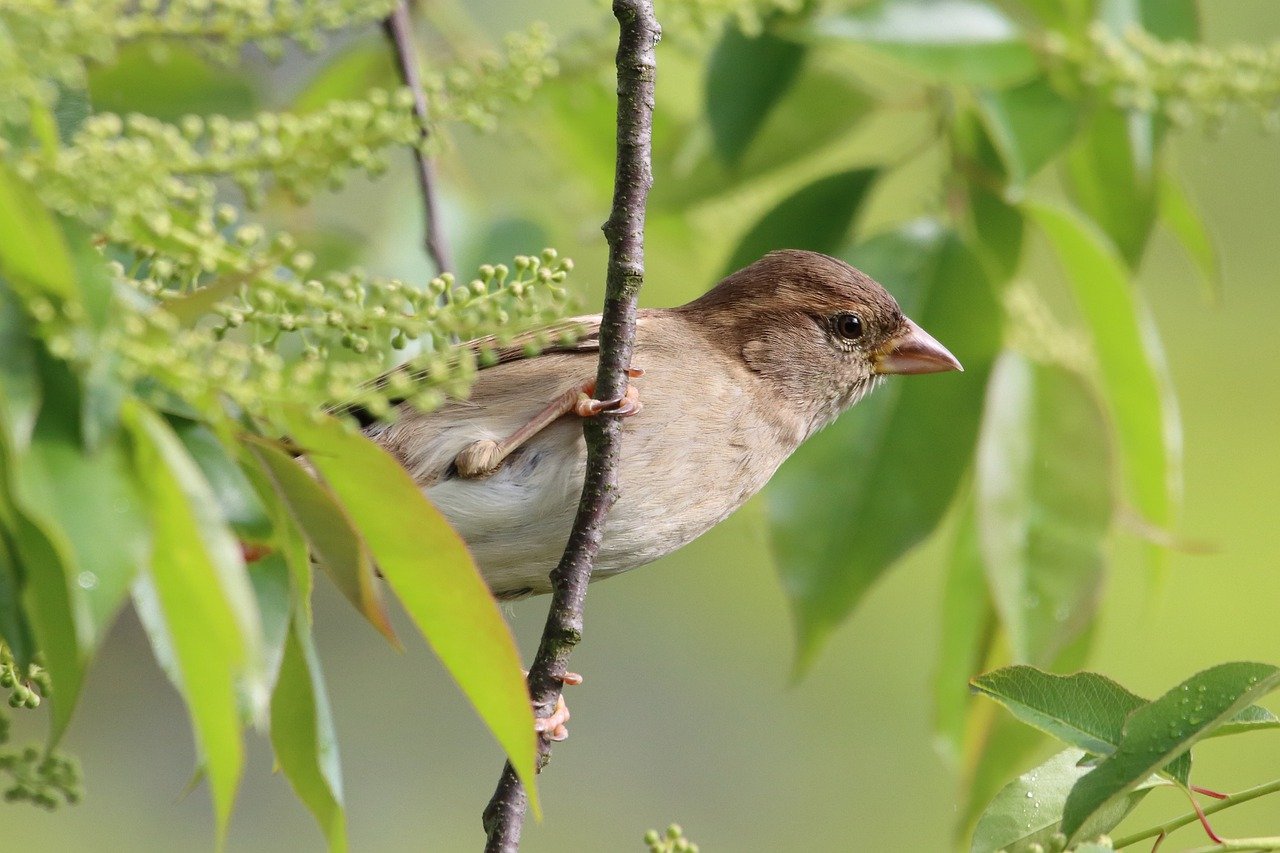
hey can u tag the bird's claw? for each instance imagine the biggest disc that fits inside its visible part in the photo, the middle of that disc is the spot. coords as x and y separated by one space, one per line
625 406
553 726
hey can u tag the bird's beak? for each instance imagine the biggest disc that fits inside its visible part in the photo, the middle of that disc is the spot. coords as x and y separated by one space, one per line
913 350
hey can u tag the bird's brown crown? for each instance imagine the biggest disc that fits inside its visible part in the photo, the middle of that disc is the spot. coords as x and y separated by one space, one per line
790 287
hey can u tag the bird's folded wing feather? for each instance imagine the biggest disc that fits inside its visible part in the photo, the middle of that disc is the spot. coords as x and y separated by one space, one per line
574 335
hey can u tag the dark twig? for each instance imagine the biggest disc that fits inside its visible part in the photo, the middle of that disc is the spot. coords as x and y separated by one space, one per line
638 34
399 28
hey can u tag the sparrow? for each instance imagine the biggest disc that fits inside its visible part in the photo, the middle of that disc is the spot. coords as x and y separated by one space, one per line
722 391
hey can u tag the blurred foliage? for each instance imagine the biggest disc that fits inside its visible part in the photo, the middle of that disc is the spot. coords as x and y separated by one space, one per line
176 310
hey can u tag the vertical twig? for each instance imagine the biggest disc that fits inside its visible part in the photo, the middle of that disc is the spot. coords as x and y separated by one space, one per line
399 28
638 34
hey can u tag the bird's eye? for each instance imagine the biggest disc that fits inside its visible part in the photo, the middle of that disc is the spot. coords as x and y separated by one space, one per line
848 326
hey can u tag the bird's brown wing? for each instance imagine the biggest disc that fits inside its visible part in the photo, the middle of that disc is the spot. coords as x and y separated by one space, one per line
574 335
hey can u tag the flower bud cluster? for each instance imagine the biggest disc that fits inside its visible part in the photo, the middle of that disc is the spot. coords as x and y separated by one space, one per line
46 45
1187 83
279 339
671 841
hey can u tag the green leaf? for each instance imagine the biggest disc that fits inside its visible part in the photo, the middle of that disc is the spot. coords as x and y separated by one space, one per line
1170 20
303 738
816 217
169 83
967 631
1111 175
1064 15
19 380
92 498
821 106
1084 710
1251 719
46 600
428 566
998 227
330 531
1043 504
33 250
205 597
269 578
956 41
14 629
365 65
891 466
746 76
1130 363
1164 729
1028 811
1180 216
1029 124
240 505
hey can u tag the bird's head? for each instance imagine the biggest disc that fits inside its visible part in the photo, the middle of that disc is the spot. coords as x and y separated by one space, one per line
819 330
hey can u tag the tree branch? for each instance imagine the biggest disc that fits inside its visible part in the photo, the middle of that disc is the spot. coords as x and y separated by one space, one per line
399 29
638 34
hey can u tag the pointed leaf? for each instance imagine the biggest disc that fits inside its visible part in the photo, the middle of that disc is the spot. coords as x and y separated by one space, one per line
303 738
820 107
428 566
19 380
205 597
1180 216
968 628
746 76
1111 176
889 468
1043 489
236 498
34 254
817 217
1128 358
1028 811
46 600
1162 730
330 531
1029 124
957 41
1084 710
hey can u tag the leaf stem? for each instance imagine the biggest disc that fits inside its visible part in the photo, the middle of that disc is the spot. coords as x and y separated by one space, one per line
1233 800
399 28
638 35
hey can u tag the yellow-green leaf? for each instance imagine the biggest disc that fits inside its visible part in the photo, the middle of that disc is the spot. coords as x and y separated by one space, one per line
205 598
428 566
303 738
335 542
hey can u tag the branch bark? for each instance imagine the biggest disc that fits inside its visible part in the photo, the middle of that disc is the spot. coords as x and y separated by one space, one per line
638 35
399 28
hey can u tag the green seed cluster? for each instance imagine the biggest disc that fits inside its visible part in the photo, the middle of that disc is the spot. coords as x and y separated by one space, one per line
40 778
703 19
25 686
152 186
671 841
1187 83
229 24
279 339
46 45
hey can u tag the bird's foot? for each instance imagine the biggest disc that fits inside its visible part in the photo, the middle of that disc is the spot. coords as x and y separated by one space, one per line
553 726
628 404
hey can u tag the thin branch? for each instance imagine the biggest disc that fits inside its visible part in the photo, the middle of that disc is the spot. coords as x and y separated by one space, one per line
399 29
638 34
1169 826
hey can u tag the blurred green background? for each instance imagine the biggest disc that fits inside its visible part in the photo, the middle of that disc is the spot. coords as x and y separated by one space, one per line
687 713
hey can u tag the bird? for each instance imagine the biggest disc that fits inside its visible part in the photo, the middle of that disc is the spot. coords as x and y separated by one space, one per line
722 390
